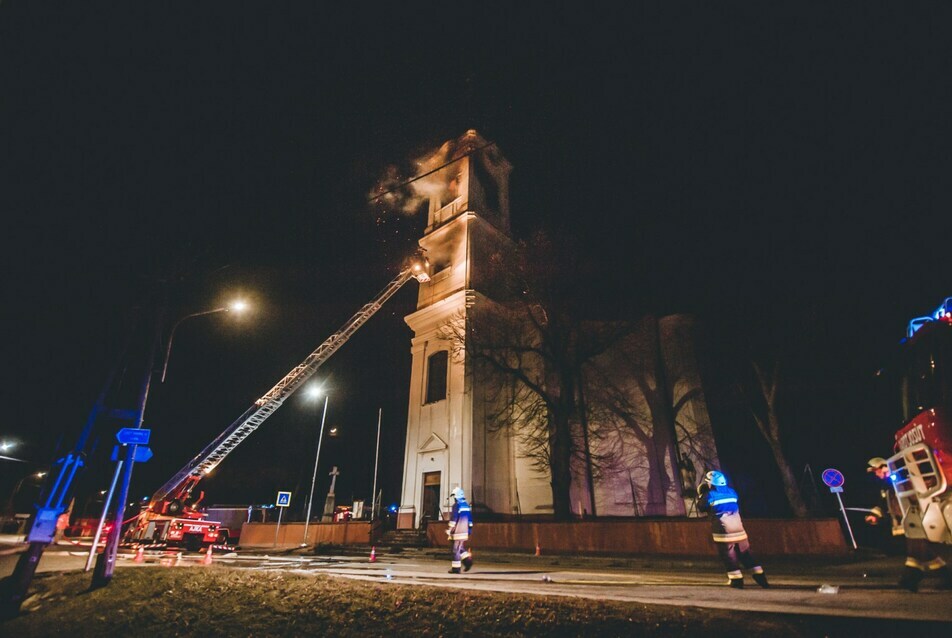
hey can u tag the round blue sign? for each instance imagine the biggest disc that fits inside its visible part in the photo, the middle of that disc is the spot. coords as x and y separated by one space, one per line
833 478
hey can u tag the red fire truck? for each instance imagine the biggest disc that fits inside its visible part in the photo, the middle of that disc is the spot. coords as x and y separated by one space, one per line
921 466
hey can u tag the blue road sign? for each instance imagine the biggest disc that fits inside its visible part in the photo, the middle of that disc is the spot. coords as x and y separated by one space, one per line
832 477
284 499
142 454
133 436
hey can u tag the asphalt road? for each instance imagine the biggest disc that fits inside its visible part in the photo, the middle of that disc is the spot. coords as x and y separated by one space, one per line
864 588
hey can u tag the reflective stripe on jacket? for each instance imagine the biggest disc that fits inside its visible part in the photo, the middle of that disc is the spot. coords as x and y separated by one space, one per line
461 521
722 507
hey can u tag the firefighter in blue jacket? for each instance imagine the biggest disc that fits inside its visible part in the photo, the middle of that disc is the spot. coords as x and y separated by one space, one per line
720 502
461 522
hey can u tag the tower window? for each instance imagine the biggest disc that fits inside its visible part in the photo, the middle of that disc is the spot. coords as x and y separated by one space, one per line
436 368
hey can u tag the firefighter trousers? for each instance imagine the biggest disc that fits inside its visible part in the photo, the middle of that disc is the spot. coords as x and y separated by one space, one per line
460 553
921 554
736 554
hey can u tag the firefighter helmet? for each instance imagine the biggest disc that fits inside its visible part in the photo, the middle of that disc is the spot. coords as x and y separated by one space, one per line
715 478
457 493
875 463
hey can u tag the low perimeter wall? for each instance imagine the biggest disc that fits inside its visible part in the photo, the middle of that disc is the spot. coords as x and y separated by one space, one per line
677 537
292 534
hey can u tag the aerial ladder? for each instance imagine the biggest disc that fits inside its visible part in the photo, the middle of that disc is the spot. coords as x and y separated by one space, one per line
172 515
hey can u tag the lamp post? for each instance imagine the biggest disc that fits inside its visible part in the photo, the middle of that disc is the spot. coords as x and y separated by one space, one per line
373 501
236 306
315 392
105 563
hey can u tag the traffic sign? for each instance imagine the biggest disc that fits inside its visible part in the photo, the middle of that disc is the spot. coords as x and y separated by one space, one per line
284 499
833 477
133 436
142 454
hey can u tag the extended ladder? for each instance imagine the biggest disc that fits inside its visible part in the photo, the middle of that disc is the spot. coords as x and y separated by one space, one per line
216 451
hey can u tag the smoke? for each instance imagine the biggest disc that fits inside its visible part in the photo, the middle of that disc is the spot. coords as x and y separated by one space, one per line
405 192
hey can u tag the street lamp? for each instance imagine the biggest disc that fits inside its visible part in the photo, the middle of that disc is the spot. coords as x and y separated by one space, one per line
315 392
106 561
6 446
236 306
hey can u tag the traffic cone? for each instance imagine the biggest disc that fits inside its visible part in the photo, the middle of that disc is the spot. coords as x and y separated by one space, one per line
373 554
208 557
178 557
140 555
538 550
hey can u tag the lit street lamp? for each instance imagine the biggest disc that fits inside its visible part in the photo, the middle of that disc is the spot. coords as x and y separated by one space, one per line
315 392
105 563
237 306
6 446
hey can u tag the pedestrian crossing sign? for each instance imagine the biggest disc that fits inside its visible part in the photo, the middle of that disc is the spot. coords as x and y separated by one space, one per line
284 499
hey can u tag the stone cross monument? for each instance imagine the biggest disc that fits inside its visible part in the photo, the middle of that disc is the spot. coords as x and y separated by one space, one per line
328 515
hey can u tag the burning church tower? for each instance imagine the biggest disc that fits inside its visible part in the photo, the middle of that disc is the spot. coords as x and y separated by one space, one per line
450 438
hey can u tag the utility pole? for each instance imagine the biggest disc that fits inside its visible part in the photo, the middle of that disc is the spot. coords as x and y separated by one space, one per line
373 504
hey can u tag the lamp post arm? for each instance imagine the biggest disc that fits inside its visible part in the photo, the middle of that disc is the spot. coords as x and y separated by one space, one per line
168 345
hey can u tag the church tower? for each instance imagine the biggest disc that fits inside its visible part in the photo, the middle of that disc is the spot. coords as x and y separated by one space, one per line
447 445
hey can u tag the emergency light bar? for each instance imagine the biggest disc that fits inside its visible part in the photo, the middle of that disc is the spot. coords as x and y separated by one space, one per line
942 313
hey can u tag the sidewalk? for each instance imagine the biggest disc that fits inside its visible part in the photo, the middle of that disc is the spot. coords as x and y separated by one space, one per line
862 563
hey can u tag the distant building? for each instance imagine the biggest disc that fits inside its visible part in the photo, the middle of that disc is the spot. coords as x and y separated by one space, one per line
644 393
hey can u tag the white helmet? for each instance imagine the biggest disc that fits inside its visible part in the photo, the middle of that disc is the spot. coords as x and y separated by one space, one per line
457 493
715 478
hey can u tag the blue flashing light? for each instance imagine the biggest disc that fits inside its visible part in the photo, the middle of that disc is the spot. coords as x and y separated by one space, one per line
893 478
944 311
393 508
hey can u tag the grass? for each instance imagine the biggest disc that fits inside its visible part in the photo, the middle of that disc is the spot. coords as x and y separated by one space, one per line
218 601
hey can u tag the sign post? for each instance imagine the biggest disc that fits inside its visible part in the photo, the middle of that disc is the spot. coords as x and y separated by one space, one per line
282 501
834 480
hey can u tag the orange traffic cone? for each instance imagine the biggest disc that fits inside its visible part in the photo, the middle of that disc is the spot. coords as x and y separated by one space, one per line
208 557
538 550
140 555
373 554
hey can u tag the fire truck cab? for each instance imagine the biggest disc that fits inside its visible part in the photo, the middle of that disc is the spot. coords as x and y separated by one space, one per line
921 466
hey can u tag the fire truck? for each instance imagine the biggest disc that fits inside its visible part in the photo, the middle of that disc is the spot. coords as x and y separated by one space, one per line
921 466
174 516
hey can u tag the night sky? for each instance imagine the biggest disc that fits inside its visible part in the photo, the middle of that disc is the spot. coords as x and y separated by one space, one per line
782 175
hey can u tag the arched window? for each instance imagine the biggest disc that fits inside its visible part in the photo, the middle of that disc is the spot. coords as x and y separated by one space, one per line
436 369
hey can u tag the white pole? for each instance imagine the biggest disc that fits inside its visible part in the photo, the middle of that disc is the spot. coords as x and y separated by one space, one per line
102 519
278 528
373 503
846 520
310 499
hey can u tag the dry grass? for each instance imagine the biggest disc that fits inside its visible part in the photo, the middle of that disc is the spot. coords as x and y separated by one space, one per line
224 602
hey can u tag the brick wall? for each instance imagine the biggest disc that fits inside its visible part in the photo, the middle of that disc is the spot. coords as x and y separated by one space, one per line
677 537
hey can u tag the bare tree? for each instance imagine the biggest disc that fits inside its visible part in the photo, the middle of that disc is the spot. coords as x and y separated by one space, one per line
529 346
765 413
630 388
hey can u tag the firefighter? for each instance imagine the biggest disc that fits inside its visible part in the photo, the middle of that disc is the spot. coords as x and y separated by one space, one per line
720 502
461 522
921 554
888 508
